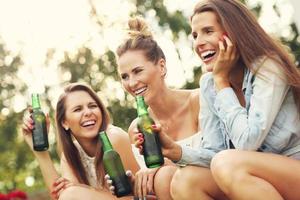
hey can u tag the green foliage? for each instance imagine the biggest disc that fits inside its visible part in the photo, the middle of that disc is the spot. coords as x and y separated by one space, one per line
100 71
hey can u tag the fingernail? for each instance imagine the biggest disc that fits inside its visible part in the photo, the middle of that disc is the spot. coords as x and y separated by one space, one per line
153 126
141 139
140 135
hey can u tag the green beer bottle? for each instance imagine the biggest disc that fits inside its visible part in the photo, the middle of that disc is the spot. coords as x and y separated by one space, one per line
151 146
39 133
114 168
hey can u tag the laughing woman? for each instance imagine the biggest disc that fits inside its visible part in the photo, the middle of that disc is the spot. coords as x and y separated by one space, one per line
80 115
250 101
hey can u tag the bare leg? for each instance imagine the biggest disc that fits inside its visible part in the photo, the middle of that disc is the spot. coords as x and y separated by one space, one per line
79 193
162 182
193 182
254 175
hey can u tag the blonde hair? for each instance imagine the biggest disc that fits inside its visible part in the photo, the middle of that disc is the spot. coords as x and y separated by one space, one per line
140 38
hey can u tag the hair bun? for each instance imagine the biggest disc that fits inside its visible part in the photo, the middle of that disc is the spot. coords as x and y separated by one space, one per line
138 28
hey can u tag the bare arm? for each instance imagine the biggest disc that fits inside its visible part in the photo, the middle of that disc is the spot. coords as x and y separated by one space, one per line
121 143
46 164
66 170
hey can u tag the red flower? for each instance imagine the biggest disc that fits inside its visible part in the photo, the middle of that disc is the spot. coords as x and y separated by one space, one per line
17 194
3 197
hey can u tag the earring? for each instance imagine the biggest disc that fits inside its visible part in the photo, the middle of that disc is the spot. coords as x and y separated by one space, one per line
67 128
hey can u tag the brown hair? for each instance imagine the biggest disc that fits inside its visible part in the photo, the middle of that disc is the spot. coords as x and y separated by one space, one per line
140 38
69 149
251 40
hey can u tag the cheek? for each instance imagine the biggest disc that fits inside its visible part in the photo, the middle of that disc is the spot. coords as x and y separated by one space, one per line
125 85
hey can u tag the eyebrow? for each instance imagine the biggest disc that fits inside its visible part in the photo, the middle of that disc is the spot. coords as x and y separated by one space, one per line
78 106
133 70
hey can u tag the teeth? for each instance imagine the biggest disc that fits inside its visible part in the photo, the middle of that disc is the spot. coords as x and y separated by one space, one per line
88 123
139 91
206 53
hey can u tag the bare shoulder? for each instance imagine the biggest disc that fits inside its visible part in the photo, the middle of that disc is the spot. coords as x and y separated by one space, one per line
117 135
194 96
195 103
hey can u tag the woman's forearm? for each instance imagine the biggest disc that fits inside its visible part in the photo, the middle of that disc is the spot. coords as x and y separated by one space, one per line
47 168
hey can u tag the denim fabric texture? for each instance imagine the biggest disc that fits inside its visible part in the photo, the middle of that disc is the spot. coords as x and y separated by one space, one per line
269 122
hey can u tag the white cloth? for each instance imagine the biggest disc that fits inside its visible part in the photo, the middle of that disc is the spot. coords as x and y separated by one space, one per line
89 166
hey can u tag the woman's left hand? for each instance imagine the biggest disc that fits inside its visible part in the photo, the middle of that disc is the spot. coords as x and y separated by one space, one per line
226 60
58 186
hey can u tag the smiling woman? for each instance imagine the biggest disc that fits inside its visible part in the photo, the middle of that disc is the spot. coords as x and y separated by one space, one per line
80 116
142 68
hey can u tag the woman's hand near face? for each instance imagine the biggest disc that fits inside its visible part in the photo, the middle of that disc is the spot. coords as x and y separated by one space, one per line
28 126
225 62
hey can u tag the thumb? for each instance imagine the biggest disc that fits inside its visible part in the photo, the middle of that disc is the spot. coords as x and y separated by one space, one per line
130 176
156 127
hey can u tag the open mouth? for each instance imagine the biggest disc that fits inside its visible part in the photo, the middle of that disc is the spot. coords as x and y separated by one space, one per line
207 55
88 123
140 91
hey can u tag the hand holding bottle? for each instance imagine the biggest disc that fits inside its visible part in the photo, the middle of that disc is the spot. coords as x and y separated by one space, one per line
170 149
28 126
142 183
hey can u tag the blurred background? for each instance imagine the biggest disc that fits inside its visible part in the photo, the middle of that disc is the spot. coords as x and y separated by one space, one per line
45 44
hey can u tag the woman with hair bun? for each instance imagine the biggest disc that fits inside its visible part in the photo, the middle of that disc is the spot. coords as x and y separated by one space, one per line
142 69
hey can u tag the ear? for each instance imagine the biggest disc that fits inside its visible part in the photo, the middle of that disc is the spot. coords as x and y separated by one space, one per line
162 67
65 125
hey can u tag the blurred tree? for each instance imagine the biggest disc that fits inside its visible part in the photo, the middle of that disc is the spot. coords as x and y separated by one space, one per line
100 71
12 151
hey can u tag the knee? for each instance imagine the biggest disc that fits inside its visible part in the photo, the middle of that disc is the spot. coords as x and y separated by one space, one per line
228 167
164 176
184 182
69 193
162 179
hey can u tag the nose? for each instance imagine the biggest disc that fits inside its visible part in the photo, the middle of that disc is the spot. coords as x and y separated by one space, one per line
87 111
132 82
199 41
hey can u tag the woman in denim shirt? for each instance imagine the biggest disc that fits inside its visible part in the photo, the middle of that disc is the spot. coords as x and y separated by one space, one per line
250 100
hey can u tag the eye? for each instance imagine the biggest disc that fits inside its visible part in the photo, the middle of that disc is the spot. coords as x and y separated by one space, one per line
77 109
124 76
138 70
93 106
194 35
209 31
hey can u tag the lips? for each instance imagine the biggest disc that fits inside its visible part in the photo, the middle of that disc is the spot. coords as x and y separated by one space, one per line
88 123
140 91
207 55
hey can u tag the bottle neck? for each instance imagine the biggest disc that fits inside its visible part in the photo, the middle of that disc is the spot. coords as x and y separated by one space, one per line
141 106
35 101
106 145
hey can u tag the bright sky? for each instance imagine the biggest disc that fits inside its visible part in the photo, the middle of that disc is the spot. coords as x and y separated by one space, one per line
32 27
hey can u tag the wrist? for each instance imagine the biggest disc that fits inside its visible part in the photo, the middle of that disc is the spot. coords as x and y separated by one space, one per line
174 153
41 154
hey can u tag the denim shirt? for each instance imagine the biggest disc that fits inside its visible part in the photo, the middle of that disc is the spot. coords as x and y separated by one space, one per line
269 122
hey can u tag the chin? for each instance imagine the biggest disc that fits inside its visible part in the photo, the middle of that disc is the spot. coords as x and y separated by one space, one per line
208 68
